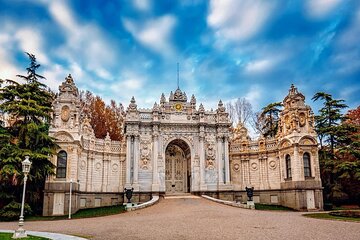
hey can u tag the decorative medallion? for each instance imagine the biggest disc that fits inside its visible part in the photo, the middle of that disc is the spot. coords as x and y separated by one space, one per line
272 164
65 113
82 165
236 167
97 166
115 167
302 119
254 166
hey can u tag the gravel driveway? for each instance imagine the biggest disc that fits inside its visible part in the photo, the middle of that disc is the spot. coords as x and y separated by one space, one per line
197 218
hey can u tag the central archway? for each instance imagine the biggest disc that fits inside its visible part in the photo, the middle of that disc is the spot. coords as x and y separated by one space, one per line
177 167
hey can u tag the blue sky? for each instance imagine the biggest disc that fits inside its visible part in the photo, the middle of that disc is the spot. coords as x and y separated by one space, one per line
226 49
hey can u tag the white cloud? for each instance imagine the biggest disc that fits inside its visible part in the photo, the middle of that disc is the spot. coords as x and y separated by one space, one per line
154 34
13 38
31 41
142 5
55 74
350 37
259 66
130 82
8 69
83 40
238 19
254 96
321 8
346 60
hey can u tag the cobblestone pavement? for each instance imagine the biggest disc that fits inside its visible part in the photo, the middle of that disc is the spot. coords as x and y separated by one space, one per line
190 218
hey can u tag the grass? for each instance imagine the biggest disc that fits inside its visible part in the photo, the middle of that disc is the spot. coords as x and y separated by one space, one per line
82 213
346 208
331 217
8 236
271 207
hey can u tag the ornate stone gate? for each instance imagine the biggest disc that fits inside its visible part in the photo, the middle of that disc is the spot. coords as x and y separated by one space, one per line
176 148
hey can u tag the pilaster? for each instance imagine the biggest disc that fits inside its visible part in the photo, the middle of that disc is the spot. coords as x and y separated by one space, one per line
155 183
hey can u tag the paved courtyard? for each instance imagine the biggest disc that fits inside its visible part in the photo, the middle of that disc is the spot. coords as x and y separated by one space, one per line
197 218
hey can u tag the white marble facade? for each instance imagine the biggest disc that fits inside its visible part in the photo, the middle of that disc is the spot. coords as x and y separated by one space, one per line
178 147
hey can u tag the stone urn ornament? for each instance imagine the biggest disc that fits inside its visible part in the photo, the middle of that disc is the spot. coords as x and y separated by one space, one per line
128 194
250 193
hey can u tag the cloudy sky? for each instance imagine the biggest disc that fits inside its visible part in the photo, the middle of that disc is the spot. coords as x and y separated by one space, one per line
226 48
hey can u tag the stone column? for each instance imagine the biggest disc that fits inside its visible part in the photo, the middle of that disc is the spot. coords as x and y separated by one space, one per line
155 183
89 171
121 186
128 161
227 163
105 174
136 160
202 162
295 165
220 160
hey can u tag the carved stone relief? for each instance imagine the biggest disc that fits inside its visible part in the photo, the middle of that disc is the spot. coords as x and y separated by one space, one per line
65 113
145 155
210 157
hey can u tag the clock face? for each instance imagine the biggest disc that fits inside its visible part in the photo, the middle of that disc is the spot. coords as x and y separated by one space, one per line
178 107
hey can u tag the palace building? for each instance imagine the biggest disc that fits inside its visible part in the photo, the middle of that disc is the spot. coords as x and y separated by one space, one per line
178 147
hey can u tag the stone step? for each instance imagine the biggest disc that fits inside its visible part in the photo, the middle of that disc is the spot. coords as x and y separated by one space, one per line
180 196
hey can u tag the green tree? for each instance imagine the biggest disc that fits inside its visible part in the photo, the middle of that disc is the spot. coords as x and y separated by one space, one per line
329 118
27 105
339 154
270 118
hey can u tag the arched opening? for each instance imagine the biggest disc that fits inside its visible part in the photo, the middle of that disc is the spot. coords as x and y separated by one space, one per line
61 164
307 166
177 167
288 166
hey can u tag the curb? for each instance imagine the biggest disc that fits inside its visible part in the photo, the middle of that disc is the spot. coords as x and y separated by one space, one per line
229 203
54 236
153 200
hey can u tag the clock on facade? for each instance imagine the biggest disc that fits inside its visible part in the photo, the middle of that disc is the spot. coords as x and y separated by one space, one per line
178 107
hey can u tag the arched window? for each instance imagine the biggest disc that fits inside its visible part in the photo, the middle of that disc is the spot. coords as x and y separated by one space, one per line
307 166
288 166
61 164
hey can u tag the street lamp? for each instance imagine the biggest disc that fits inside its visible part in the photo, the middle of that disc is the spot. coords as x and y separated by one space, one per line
20 232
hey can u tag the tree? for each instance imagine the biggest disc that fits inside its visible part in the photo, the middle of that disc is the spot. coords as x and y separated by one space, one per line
28 108
241 111
353 116
270 117
103 118
339 153
329 118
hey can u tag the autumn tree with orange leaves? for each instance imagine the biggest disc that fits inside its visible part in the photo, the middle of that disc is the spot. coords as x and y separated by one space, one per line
103 118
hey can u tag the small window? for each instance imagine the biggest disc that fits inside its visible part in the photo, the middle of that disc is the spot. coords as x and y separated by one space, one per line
288 166
61 164
307 166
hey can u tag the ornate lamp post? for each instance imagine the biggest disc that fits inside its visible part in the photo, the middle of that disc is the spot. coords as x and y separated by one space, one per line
20 232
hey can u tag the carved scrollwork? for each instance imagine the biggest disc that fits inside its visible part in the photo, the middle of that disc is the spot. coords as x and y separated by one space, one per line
64 137
145 155
210 157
